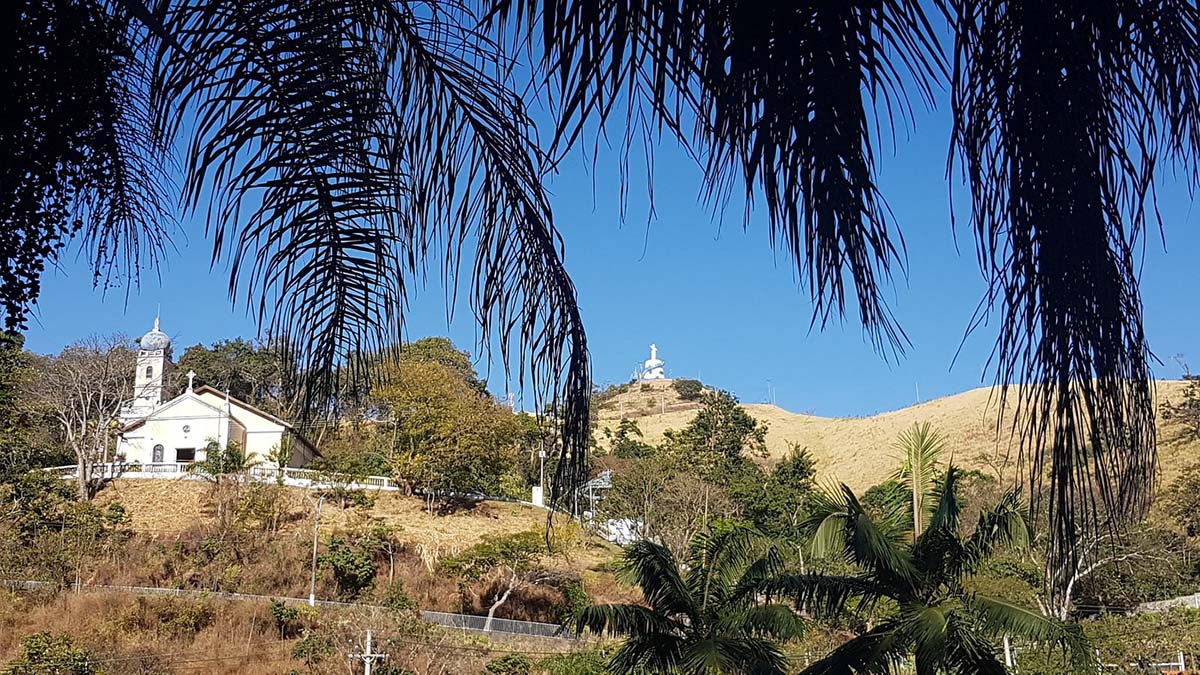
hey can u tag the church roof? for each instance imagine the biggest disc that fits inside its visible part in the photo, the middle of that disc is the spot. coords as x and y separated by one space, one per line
155 339
234 401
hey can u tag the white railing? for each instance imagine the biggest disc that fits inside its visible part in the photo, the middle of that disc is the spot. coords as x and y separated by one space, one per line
301 478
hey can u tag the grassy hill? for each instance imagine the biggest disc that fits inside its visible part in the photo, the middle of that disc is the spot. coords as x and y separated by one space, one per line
858 450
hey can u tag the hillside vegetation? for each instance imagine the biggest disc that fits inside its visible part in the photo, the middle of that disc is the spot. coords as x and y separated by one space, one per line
859 450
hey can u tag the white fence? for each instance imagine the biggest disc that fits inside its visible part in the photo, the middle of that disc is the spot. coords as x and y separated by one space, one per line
465 622
309 479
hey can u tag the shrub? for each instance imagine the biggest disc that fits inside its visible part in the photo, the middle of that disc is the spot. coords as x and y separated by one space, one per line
510 664
688 390
591 662
312 648
353 570
396 599
575 599
286 618
51 653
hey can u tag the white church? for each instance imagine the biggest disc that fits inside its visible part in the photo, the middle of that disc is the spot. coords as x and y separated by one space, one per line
177 430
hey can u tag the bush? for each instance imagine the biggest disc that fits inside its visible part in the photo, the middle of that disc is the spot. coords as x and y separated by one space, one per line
510 664
688 390
590 662
396 599
353 570
575 599
312 648
43 653
286 618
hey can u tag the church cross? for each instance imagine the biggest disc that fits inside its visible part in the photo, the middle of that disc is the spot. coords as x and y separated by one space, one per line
191 375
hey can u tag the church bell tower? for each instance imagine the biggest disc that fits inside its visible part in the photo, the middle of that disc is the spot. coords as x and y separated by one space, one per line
150 379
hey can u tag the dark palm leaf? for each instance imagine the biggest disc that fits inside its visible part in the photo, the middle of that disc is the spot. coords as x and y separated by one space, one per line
839 525
778 97
81 160
339 147
1000 617
651 566
1063 111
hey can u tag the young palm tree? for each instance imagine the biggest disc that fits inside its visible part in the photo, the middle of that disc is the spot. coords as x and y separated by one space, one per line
928 613
339 149
700 615
921 449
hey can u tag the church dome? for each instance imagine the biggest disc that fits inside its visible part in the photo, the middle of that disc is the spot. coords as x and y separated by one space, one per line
155 340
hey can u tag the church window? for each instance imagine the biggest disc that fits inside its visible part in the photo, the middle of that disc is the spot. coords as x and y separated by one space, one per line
149 371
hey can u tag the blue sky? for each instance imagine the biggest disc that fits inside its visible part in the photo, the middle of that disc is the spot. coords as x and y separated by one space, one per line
719 302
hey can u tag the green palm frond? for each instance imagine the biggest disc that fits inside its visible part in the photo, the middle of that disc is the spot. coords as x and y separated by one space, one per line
920 448
653 568
876 652
968 652
1004 525
738 655
648 653
839 525
771 621
1000 617
623 620
826 595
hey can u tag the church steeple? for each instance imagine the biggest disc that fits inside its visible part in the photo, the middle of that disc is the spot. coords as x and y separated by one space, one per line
153 362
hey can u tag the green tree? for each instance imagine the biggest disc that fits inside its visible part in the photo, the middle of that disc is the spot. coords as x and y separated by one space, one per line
449 436
699 616
923 608
353 568
721 431
254 372
56 654
226 469
776 503
627 442
515 557
1183 500
442 350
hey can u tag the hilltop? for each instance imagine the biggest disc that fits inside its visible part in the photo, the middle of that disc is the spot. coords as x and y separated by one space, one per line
858 450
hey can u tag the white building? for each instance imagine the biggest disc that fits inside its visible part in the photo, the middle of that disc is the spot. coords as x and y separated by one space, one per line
178 430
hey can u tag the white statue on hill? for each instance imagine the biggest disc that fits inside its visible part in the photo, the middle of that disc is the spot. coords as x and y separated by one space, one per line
652 369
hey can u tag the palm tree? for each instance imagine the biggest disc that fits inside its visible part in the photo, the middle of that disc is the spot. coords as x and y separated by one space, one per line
921 448
339 149
700 614
926 611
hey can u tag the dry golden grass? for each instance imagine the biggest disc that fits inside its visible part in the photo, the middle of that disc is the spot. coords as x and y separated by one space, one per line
859 450
158 507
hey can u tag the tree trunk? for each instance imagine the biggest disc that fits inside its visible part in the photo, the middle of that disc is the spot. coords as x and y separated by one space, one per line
512 583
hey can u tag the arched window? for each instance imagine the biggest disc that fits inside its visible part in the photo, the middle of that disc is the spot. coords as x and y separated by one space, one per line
158 453
149 372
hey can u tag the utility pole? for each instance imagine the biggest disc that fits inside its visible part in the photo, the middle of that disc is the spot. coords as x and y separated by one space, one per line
368 658
312 583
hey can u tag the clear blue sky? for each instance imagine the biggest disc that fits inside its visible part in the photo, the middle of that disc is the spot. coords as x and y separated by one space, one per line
721 305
